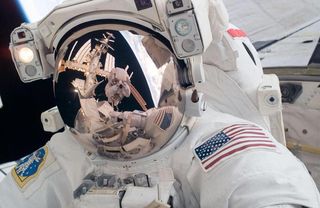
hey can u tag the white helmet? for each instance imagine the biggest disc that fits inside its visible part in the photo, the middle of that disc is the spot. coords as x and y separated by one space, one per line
124 71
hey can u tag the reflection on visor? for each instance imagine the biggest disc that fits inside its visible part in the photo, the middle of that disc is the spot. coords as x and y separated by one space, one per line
90 62
119 84
152 73
124 92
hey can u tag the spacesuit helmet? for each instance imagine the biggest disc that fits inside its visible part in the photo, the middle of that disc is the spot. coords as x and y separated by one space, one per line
124 71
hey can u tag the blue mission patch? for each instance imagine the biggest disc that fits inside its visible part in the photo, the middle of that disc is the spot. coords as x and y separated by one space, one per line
29 166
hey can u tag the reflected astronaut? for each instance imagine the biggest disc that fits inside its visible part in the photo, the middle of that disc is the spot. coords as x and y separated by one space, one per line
128 81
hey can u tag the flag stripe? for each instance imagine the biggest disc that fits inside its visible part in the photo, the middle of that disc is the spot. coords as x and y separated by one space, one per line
241 128
238 126
250 137
159 117
245 131
237 150
231 133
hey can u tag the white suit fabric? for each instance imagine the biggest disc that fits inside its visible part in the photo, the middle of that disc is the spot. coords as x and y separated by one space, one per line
252 178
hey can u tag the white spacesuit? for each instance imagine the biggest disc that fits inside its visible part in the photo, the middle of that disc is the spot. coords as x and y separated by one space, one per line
128 80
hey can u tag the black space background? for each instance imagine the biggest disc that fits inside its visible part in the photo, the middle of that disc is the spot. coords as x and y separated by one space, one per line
21 130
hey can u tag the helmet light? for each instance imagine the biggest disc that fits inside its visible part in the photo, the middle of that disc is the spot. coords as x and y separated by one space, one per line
183 27
25 55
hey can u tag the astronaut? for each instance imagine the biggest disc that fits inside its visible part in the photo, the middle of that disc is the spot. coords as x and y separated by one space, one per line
129 82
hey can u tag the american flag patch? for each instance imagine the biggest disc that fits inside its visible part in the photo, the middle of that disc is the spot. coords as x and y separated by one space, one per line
231 141
163 118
